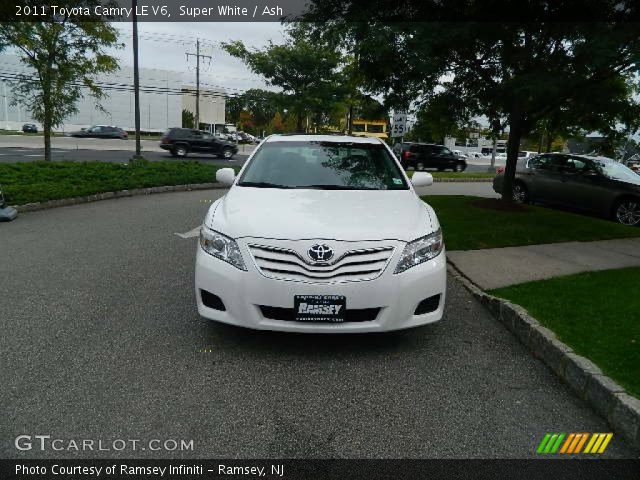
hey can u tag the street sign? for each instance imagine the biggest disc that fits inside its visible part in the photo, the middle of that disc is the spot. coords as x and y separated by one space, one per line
399 125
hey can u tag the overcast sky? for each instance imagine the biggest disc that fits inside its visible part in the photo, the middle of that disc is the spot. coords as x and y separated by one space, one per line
164 46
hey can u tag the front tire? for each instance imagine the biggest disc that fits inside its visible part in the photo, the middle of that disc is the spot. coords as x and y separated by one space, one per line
180 151
227 154
520 193
458 168
627 212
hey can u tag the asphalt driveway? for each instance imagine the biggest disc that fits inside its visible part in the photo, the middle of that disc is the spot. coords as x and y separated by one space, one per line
101 340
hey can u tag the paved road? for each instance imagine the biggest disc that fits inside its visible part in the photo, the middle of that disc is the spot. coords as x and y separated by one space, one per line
17 148
12 154
101 340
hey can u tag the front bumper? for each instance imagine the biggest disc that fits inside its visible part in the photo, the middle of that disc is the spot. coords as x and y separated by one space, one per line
244 292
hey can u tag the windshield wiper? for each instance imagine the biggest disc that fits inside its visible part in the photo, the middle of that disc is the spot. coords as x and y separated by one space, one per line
262 185
335 187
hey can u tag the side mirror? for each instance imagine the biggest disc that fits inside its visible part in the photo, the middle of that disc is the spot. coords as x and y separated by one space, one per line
421 179
226 176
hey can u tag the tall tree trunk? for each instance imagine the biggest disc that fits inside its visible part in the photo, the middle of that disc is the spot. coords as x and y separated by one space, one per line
513 147
299 128
549 139
46 126
350 125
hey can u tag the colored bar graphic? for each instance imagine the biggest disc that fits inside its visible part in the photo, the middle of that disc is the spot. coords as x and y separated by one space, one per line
605 443
567 442
573 443
582 440
557 444
592 440
543 443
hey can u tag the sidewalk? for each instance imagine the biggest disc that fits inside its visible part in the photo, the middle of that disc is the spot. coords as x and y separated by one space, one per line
500 267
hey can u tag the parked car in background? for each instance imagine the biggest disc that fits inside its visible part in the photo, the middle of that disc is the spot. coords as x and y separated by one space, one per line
100 131
474 155
182 141
460 154
29 128
527 154
598 185
420 156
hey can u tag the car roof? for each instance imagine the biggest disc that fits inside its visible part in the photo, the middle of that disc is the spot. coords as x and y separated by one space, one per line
321 138
600 158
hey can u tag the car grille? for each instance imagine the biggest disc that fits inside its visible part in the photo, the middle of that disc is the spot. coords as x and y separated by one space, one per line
352 266
350 315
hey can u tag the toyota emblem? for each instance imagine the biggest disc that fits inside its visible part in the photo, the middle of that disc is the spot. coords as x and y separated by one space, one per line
320 253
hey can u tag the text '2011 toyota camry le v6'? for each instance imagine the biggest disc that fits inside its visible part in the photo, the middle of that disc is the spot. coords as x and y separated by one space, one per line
321 234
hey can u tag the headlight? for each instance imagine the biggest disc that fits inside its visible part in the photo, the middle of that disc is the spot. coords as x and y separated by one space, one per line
420 250
222 247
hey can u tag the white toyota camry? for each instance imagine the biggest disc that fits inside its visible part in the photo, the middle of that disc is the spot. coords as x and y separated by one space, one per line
321 233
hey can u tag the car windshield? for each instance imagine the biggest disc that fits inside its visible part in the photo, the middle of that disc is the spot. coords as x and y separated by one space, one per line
323 165
617 171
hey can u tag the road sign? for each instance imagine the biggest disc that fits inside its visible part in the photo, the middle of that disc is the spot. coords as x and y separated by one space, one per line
399 125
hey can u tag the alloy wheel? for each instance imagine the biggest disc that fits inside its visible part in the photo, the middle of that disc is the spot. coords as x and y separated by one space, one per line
519 194
628 212
420 166
226 153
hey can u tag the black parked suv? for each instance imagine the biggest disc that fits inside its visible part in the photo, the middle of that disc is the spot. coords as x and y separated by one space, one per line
420 156
181 141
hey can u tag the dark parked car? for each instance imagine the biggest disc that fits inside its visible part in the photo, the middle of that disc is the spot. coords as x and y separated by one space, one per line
101 131
420 156
181 141
29 128
595 184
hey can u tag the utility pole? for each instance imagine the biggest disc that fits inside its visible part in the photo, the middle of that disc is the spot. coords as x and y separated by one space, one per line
136 81
197 55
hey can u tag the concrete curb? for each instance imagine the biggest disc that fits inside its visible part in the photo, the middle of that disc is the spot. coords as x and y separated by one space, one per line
605 396
63 202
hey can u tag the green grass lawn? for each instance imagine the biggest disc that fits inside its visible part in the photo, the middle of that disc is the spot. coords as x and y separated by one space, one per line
461 175
597 314
39 181
469 227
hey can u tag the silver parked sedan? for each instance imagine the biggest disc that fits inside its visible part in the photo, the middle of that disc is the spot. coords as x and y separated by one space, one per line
596 184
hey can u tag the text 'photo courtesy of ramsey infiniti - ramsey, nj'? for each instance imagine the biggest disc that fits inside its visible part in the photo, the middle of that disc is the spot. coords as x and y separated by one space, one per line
321 234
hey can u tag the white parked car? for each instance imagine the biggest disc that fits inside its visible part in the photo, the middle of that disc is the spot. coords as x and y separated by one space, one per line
321 233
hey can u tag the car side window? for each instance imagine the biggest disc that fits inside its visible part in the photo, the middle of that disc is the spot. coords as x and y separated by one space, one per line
542 162
574 165
445 151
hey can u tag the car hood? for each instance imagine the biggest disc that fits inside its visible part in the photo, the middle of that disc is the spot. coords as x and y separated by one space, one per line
295 214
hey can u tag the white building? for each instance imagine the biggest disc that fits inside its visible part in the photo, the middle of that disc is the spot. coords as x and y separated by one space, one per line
212 106
161 101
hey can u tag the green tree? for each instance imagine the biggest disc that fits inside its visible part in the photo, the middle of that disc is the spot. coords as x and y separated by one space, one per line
188 119
305 71
522 72
233 107
65 55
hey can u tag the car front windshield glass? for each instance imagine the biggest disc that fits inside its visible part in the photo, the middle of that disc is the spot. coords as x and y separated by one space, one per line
323 165
617 171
